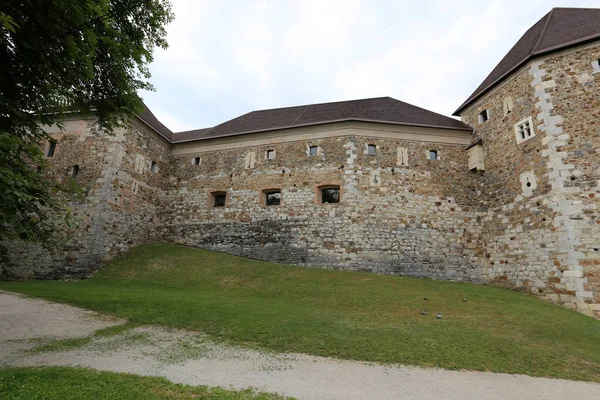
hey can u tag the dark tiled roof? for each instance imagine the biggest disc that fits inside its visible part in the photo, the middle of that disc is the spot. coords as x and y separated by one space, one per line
559 29
149 118
189 135
382 109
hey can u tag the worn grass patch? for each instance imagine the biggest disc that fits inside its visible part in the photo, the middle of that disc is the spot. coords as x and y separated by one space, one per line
45 345
61 383
335 313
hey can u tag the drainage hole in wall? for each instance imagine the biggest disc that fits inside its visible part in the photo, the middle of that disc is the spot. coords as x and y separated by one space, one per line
528 184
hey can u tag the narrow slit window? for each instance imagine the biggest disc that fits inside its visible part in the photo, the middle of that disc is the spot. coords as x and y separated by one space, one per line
371 149
329 194
508 106
433 155
313 150
272 197
51 149
74 171
219 199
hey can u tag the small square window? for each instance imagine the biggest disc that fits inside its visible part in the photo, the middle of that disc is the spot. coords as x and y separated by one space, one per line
154 167
329 194
272 197
51 149
433 155
524 130
313 150
196 161
270 154
219 199
371 149
484 116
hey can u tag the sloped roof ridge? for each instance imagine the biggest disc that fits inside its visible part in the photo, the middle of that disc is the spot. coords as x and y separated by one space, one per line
148 117
543 32
536 50
384 109
318 104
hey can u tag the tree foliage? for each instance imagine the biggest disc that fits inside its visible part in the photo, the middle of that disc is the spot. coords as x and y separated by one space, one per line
85 56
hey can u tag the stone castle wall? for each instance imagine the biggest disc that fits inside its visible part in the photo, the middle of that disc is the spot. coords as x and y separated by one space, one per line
530 221
408 216
120 207
542 226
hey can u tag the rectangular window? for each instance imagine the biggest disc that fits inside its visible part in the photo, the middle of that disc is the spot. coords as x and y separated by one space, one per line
51 149
218 199
484 116
433 155
74 171
371 149
596 66
270 154
272 197
196 161
330 194
313 150
154 167
524 130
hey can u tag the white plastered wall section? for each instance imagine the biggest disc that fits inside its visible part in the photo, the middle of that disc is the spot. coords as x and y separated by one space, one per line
561 196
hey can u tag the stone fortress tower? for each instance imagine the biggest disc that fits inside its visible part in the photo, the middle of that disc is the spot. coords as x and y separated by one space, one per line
508 197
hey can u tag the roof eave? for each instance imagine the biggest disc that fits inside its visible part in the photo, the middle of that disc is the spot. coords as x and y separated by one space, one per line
466 128
154 129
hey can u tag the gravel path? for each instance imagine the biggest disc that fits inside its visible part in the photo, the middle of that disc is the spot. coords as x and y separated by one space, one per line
189 357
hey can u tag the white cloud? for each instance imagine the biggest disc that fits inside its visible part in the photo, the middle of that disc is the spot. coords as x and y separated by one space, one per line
227 58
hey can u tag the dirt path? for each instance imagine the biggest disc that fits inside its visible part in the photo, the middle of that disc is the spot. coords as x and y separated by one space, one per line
189 357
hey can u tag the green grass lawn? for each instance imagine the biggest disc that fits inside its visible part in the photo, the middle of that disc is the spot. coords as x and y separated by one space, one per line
341 314
58 383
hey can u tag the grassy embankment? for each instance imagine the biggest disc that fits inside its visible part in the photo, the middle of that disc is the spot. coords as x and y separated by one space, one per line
339 314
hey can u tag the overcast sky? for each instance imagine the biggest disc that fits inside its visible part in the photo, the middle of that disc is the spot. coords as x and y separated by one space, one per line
227 58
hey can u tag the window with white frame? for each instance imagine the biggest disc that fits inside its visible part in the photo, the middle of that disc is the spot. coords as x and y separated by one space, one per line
596 66
524 130
484 116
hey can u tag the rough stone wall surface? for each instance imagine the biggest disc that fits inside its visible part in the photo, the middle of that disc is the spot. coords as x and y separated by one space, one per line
113 217
412 219
530 221
541 231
